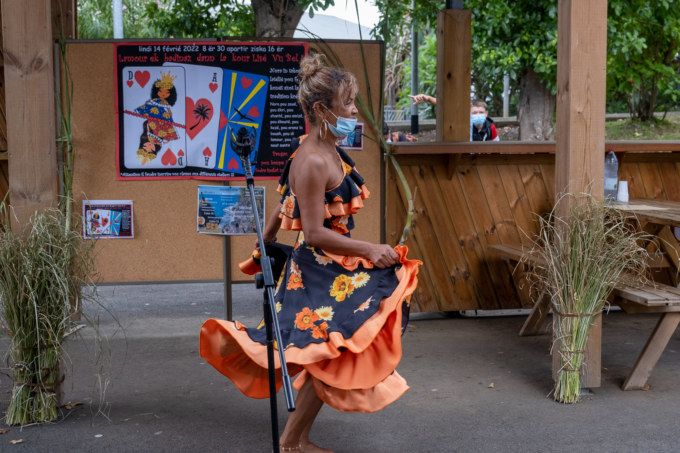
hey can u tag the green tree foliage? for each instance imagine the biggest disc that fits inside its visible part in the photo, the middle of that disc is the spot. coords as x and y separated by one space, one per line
642 62
520 39
190 18
427 73
394 14
95 20
201 18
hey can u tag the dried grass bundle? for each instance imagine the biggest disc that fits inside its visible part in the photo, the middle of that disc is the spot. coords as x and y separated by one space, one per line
581 258
41 273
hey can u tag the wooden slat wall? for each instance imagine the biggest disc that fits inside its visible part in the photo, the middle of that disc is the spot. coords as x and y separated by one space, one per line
490 199
4 174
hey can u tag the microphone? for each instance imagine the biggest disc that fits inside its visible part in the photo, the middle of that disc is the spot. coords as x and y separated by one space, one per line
243 142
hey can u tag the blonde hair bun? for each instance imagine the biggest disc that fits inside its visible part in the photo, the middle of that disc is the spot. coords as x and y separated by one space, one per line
310 65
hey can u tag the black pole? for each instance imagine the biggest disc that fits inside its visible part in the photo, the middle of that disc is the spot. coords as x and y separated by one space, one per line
243 145
454 4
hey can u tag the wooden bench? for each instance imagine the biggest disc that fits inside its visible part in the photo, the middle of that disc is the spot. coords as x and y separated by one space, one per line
651 297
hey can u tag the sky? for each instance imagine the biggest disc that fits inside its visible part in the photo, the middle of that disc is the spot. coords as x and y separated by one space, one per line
345 9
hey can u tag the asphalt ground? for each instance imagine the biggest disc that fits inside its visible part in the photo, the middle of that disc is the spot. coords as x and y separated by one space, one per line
476 386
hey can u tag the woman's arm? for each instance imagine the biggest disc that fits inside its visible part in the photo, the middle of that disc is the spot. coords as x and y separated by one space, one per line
309 190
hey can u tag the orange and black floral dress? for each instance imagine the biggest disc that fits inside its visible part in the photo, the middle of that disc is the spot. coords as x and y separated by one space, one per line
341 318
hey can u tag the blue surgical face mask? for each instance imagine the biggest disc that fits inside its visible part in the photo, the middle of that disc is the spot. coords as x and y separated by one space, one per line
345 126
478 119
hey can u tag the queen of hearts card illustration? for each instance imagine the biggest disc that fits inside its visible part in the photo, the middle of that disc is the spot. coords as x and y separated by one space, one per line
159 120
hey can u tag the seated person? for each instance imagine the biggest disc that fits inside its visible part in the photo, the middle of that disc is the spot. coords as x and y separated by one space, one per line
397 136
482 127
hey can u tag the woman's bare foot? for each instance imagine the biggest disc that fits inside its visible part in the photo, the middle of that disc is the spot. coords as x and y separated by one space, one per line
309 447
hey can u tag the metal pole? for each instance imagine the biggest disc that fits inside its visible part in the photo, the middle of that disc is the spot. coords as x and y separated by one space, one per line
454 4
414 71
117 7
226 252
506 96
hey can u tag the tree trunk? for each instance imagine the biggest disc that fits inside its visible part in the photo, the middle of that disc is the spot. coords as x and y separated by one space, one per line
276 18
536 109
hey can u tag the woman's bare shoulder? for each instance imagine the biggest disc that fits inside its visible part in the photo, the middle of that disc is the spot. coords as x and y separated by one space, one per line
308 164
308 158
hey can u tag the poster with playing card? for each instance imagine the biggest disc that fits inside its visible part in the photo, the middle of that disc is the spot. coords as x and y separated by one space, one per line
154 115
179 106
227 210
110 219
203 99
243 105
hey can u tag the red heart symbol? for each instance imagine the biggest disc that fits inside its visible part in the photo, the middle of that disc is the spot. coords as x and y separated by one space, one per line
180 153
198 115
169 158
246 82
253 112
142 77
233 164
223 120
207 152
212 86
130 82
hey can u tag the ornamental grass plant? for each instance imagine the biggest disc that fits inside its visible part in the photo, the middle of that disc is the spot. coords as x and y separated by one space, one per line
581 257
41 275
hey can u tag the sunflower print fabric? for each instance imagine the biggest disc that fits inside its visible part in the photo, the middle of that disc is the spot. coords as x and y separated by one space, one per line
321 296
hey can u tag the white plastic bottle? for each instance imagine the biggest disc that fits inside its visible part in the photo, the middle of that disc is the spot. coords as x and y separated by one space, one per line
611 176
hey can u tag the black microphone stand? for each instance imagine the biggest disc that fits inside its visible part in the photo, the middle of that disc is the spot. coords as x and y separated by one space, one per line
243 145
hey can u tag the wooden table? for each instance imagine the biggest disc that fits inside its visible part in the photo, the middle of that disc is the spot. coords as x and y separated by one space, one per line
657 218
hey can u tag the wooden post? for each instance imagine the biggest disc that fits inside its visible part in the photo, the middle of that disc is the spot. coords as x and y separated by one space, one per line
29 94
454 48
65 19
579 151
3 120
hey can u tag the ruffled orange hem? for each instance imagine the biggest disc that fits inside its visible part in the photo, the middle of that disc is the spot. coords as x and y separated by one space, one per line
374 399
338 208
290 224
334 209
360 362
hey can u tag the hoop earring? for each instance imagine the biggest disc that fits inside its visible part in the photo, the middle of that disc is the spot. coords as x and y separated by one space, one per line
324 126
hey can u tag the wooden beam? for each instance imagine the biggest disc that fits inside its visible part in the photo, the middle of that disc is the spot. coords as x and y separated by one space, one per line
29 82
3 119
522 147
579 157
454 44
65 19
581 77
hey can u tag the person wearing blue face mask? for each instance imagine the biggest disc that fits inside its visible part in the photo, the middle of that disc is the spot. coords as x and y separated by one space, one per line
482 126
342 303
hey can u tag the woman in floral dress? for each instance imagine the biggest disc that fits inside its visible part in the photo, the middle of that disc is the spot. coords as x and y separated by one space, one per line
342 303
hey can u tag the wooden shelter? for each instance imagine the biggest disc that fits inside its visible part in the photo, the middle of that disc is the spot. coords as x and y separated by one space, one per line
469 195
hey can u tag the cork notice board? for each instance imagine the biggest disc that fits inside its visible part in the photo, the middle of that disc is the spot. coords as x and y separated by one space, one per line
166 246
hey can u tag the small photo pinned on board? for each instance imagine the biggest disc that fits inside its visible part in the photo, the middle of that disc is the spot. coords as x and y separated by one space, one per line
111 219
355 140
